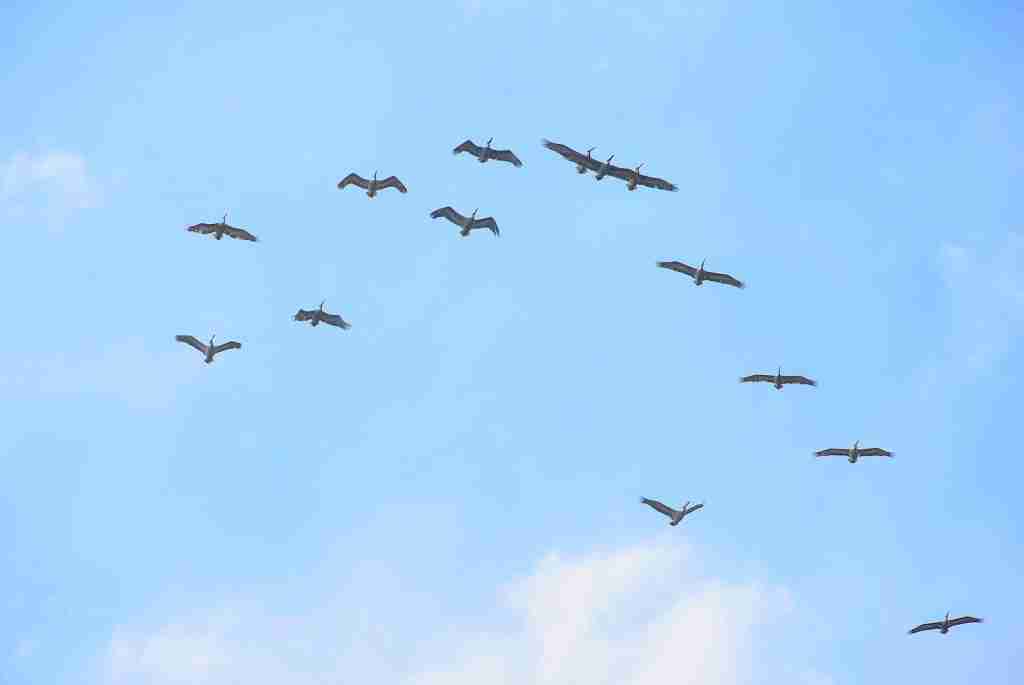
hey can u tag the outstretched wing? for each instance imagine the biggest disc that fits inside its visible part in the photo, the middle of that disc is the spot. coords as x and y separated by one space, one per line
336 320
239 234
230 345
202 229
797 380
448 213
658 506
487 222
723 278
353 179
470 147
571 155
926 626
680 267
392 182
832 452
191 340
758 378
965 619
694 508
506 156
874 452
304 315
655 182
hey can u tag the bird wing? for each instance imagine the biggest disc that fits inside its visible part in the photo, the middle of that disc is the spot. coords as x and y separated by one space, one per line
658 506
202 228
230 345
965 619
680 267
470 147
239 234
191 340
832 452
758 378
935 625
353 179
874 452
797 380
619 172
572 155
723 278
506 156
448 213
304 315
655 182
694 508
336 320
486 222
392 182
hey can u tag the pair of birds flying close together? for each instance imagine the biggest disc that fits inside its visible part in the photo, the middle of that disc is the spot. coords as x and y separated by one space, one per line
585 163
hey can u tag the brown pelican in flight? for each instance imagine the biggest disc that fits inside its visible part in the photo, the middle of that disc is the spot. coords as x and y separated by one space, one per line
778 380
487 152
466 223
222 229
854 453
699 275
373 185
675 515
633 177
208 350
945 624
583 162
315 316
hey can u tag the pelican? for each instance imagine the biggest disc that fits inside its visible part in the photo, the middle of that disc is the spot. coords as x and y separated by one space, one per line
634 177
373 185
854 453
675 515
583 162
778 380
222 229
945 624
208 350
699 275
315 316
602 169
487 152
467 223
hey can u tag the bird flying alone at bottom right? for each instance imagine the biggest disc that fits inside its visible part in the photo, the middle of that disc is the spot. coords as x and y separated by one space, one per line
466 223
319 315
945 624
699 275
778 380
854 453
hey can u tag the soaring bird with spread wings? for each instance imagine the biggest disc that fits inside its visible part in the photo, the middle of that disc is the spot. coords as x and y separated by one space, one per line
219 230
633 178
945 624
466 223
699 275
778 380
316 316
487 152
372 186
853 453
674 514
210 350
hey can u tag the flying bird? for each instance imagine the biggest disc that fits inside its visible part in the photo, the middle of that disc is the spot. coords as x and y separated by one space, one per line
487 152
853 453
675 515
778 380
373 185
466 223
222 229
699 275
633 177
945 624
210 350
583 162
315 316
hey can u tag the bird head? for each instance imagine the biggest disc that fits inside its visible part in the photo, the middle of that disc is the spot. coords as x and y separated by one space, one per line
224 220
211 340
637 170
590 150
489 141
702 265
610 159
322 304
947 616
473 215
686 505
374 175
856 444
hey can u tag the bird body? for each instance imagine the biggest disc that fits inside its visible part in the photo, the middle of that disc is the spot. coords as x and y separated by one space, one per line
372 186
210 350
486 152
674 515
602 169
315 316
466 223
778 380
699 275
945 624
854 453
221 229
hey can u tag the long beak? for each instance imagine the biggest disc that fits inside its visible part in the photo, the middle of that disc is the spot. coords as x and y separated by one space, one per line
489 141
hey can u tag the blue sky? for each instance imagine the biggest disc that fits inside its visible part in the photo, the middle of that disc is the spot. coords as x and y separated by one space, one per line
448 492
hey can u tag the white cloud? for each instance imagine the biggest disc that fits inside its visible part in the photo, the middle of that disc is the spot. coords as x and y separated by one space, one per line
53 183
638 616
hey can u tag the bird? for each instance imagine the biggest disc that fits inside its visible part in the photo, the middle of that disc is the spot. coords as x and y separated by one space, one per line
633 177
315 316
487 152
853 453
778 380
222 229
945 624
467 223
583 162
699 275
373 185
208 350
675 515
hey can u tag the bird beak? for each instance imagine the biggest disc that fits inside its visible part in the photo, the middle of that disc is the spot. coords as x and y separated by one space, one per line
489 141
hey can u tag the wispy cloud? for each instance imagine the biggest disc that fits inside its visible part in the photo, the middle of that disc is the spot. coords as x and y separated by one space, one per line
53 184
635 615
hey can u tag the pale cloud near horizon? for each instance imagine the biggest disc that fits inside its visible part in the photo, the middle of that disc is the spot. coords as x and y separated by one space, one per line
54 184
637 615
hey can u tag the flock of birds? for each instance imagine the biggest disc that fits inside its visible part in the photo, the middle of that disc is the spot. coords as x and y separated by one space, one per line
584 163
